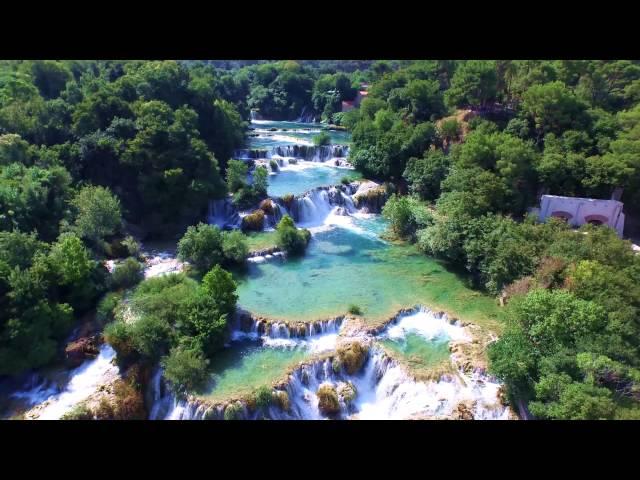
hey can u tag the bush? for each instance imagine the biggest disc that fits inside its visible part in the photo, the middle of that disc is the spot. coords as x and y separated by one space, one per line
201 246
352 356
254 221
236 175
106 309
289 238
406 215
233 411
186 369
328 401
132 246
323 138
79 412
274 165
263 397
287 199
127 403
127 274
234 247
355 310
345 180
219 284
117 335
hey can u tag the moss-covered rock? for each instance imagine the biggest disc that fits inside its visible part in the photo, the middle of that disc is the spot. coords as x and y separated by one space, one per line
336 365
463 411
328 401
233 411
352 355
287 199
347 392
281 398
254 221
266 206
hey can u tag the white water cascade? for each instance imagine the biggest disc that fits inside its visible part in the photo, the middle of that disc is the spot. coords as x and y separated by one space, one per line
83 382
384 389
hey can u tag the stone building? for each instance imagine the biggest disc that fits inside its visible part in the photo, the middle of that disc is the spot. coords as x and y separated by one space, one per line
578 211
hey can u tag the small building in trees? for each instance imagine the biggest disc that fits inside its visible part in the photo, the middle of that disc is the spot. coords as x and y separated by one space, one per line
578 211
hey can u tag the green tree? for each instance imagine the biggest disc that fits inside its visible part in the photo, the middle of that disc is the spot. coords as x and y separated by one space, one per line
221 287
98 213
289 238
202 246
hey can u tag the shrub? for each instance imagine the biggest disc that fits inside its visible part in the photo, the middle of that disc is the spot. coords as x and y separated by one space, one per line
201 246
127 274
323 138
287 199
79 412
132 246
105 311
117 335
352 356
260 181
234 247
289 238
219 284
263 397
328 401
185 368
254 221
127 403
345 180
355 310
274 165
233 411
236 175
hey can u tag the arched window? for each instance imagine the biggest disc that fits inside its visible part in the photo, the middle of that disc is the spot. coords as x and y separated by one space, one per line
596 219
566 216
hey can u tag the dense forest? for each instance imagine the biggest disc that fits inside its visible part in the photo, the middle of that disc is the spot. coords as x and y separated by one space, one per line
93 152
473 144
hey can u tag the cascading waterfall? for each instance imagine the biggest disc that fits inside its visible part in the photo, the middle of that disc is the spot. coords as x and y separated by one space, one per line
310 153
381 390
223 214
82 382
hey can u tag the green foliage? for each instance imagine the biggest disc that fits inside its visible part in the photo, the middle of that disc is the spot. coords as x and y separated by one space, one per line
201 245
219 284
405 215
323 138
474 83
98 213
234 246
254 221
260 181
175 314
354 310
289 238
427 173
127 274
263 397
236 175
186 369
106 309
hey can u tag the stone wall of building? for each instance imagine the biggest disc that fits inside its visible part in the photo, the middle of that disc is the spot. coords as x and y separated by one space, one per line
578 211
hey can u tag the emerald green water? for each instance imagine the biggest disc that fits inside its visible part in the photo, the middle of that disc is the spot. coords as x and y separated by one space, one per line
313 174
245 366
344 267
417 350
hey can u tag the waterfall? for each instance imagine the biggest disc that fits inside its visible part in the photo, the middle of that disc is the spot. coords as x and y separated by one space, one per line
309 153
223 214
82 383
305 117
